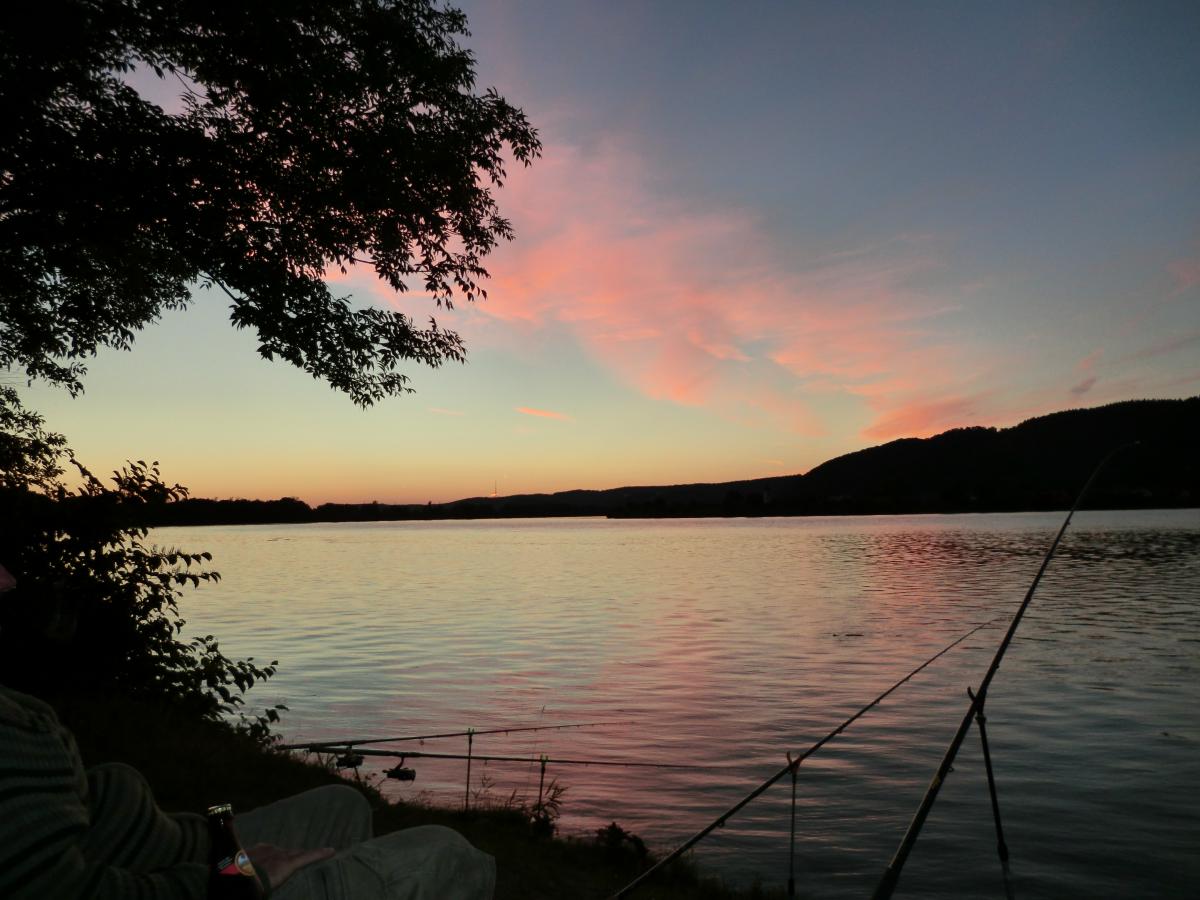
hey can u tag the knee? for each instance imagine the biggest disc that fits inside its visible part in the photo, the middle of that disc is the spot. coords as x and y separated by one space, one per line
343 797
344 800
350 806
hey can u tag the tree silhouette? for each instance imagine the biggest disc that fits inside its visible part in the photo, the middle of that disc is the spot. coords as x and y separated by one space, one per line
313 136
96 604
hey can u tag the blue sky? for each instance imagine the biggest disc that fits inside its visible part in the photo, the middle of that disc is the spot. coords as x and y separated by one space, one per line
761 235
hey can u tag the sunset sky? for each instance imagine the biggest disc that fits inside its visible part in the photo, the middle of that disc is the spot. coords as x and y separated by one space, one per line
761 235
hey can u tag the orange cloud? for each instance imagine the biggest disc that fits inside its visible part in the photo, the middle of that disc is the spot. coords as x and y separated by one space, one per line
543 413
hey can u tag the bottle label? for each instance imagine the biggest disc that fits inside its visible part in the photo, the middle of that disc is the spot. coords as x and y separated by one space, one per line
239 864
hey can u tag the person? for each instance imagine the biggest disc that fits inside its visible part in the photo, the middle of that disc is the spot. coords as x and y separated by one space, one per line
70 832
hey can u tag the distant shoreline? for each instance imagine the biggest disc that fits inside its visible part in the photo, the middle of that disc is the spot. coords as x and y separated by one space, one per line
1036 466
649 518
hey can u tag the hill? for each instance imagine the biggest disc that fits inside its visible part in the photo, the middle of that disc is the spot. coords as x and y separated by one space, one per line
1036 465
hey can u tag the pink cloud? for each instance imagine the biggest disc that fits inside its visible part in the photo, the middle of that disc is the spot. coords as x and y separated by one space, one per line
446 412
543 413
701 306
924 419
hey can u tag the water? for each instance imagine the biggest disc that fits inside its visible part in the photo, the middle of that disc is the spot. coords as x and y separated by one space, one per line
728 643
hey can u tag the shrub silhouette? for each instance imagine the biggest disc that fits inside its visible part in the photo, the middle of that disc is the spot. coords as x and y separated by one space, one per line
96 606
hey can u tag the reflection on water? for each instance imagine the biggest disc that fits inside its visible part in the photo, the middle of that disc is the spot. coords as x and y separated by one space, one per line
731 642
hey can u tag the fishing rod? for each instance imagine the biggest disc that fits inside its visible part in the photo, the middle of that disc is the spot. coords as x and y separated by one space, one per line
318 746
402 774
353 755
419 754
791 767
887 884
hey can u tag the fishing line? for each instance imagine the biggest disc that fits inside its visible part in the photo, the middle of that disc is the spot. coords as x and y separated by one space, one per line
793 764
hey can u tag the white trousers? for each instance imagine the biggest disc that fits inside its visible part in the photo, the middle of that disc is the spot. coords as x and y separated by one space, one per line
425 863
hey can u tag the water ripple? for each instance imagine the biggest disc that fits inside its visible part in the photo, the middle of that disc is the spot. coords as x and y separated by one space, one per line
731 642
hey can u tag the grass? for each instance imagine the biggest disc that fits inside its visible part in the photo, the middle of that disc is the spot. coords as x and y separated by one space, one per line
193 764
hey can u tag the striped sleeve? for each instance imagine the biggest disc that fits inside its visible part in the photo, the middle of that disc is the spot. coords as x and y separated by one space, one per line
63 838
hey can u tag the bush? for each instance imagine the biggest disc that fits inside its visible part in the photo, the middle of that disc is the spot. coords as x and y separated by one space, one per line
96 606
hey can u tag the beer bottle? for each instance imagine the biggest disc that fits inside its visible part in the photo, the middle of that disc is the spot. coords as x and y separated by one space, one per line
231 876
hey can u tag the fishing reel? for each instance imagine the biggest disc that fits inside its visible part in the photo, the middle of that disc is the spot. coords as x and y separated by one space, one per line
349 760
401 773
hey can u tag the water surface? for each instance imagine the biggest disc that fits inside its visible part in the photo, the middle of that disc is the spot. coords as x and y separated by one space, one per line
728 643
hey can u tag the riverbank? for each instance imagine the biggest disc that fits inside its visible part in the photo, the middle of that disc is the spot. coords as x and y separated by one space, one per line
192 764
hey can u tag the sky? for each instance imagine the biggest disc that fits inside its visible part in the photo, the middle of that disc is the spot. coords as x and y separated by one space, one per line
760 235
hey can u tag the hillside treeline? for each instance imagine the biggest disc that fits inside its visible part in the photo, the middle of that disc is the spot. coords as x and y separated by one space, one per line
1039 464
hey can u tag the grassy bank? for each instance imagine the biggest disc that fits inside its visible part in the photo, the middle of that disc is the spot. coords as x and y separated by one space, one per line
192 764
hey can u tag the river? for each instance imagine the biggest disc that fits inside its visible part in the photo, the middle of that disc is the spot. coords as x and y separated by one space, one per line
722 644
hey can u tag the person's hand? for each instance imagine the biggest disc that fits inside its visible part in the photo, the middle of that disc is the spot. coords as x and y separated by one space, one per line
279 865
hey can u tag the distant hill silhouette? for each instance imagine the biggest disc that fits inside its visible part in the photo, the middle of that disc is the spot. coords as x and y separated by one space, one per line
1039 464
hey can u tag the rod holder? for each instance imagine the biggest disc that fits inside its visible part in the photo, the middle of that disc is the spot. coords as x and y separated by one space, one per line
470 748
542 780
981 721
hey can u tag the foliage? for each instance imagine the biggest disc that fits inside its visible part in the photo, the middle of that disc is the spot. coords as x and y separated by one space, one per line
545 812
96 607
29 455
313 137
616 840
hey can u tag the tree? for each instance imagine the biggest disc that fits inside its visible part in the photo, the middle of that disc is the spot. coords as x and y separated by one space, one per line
314 136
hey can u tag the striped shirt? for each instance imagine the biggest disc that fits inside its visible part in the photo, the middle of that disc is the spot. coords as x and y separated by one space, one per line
66 833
